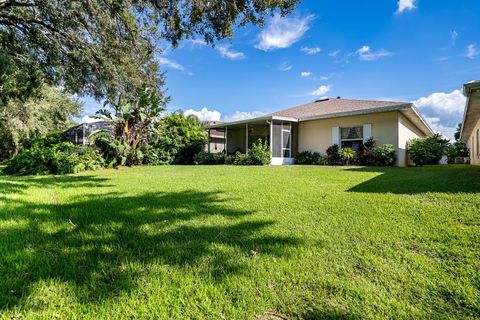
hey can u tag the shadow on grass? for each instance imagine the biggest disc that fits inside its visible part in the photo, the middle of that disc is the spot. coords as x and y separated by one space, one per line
94 240
443 179
18 184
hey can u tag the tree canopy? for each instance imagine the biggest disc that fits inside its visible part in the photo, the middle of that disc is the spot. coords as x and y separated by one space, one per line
107 48
48 110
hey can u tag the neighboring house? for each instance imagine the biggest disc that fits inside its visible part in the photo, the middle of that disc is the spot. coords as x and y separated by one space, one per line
470 132
80 133
316 126
216 138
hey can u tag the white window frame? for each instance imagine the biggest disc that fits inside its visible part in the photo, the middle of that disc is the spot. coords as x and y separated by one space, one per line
342 140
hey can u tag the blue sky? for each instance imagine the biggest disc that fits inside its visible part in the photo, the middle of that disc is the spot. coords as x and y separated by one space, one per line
421 51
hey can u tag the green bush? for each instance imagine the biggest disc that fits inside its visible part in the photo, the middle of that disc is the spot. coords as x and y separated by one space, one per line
333 155
114 152
364 152
229 159
457 149
241 159
347 155
259 154
322 161
307 157
51 155
383 155
427 151
178 138
204 157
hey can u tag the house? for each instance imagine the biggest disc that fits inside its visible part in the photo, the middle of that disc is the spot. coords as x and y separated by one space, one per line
316 126
216 138
470 132
79 134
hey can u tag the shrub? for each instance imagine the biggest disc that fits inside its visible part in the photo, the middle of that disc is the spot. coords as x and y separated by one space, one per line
229 159
322 160
427 151
307 157
457 149
51 155
383 155
209 158
364 152
178 138
241 159
114 152
347 155
259 154
333 155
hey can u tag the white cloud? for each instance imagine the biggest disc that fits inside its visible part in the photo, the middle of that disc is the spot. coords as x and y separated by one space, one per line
172 64
437 126
285 67
366 54
311 50
282 32
196 42
443 103
239 115
227 53
325 78
443 111
305 74
88 119
204 114
471 51
405 5
334 54
453 37
320 91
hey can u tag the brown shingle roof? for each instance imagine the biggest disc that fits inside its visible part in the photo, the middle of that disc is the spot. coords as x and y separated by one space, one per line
338 106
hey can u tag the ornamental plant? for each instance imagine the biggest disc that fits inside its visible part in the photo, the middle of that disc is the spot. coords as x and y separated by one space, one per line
428 150
346 154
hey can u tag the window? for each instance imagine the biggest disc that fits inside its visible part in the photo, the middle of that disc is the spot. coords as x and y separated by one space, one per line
351 137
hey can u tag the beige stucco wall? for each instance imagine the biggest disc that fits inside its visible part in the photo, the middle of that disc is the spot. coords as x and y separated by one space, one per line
474 144
406 132
387 127
316 135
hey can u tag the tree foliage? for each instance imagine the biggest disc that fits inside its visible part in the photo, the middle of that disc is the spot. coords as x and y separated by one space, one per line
178 138
48 110
457 132
107 48
134 120
457 149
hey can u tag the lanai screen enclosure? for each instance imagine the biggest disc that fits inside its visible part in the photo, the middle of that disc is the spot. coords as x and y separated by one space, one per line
281 133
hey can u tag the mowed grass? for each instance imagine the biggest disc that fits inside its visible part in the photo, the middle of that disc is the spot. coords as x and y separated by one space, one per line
226 242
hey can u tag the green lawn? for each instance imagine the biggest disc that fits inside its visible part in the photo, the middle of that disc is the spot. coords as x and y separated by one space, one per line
226 242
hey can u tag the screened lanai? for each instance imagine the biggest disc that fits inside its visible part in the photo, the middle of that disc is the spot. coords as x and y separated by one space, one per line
280 133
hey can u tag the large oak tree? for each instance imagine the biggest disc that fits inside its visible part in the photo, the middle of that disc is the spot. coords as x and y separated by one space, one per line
107 48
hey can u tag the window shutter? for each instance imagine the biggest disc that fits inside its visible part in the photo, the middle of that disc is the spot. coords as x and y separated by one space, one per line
336 135
367 132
